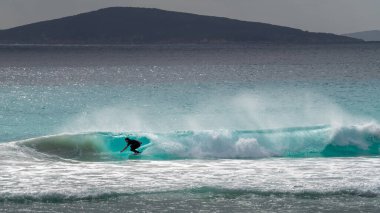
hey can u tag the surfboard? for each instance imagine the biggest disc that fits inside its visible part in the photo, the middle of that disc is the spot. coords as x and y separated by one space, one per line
140 149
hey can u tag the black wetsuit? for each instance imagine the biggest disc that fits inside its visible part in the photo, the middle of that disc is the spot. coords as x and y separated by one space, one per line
134 145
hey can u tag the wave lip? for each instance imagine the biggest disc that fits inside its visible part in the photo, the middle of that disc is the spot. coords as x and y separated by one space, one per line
352 141
316 141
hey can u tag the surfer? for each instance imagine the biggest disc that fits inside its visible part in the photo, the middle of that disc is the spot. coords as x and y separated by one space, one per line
134 145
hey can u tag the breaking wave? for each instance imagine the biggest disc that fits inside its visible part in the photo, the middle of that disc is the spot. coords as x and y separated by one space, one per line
314 141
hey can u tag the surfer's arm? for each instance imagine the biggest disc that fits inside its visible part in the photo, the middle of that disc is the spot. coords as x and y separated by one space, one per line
124 148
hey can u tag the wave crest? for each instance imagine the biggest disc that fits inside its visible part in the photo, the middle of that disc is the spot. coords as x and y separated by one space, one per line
316 141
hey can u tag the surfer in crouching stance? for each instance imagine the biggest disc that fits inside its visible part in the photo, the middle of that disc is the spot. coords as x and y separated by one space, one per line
134 145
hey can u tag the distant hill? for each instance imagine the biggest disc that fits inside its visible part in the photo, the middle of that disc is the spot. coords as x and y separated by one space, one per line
126 25
372 35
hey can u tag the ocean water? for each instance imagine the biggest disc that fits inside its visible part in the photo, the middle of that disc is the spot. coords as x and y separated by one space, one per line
225 128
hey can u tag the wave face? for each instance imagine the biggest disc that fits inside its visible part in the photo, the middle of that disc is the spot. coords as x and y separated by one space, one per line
316 141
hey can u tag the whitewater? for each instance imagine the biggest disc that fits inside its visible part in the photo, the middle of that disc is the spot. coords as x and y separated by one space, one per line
224 128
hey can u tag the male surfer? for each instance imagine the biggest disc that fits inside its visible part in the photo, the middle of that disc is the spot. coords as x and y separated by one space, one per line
134 145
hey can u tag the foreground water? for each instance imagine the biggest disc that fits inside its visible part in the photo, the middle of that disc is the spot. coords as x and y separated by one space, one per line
224 128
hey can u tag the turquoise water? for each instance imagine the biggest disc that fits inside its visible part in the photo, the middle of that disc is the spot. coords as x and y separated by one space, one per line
224 128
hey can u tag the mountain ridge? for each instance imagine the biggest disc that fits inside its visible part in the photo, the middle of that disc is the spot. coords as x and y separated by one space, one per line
369 35
130 25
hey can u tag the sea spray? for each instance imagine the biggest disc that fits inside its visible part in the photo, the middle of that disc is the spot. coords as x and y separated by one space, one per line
244 110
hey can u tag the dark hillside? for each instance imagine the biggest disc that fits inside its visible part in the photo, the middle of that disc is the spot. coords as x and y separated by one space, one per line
141 25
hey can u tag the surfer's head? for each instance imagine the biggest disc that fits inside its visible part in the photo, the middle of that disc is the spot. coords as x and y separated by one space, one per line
127 139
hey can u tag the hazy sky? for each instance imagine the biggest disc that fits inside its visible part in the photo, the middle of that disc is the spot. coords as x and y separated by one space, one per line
336 16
